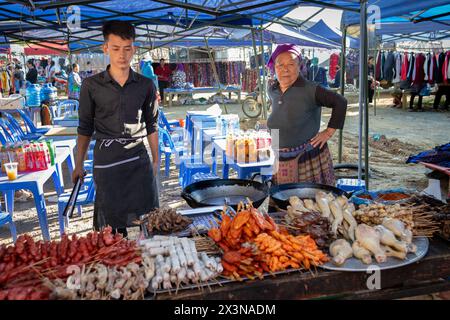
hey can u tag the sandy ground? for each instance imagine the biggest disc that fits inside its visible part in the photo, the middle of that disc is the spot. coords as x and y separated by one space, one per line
405 133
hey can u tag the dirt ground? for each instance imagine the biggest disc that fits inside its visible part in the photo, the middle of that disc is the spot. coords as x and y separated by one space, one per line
403 133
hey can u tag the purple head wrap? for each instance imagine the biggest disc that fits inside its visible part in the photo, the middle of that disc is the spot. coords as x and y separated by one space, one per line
180 67
279 50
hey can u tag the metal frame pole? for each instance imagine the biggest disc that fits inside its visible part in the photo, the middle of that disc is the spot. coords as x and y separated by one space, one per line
363 88
256 61
263 93
343 53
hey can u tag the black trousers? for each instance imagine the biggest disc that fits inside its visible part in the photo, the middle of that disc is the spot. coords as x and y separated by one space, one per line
162 85
442 90
371 92
411 102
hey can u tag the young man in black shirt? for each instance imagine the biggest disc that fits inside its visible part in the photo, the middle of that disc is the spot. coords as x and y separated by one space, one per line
117 108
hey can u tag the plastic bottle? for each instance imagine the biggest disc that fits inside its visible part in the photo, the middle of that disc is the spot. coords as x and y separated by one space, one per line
252 150
44 148
28 157
240 150
22 164
51 150
229 151
4 158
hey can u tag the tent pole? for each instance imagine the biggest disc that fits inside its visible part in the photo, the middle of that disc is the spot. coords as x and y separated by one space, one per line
257 63
362 58
343 54
363 89
216 75
263 93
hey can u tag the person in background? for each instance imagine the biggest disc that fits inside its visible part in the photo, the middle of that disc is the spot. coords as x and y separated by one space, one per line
163 72
443 89
51 73
372 83
303 154
337 78
32 74
179 77
74 82
148 72
19 78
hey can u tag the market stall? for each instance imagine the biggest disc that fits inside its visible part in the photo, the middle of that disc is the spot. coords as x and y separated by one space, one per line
310 241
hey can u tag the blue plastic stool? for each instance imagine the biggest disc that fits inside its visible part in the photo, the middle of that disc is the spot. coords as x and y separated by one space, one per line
351 185
6 217
200 176
192 168
182 165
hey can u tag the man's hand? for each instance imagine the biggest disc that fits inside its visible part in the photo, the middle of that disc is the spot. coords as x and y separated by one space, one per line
155 168
78 173
158 97
322 137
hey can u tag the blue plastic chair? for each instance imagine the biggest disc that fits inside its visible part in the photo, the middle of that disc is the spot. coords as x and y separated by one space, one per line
167 124
85 197
63 107
3 139
10 135
168 147
6 217
31 128
14 125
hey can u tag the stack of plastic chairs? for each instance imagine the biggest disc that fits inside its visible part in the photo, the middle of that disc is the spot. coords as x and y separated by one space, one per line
64 107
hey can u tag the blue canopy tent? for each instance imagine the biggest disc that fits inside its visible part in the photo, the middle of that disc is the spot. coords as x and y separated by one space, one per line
193 15
322 29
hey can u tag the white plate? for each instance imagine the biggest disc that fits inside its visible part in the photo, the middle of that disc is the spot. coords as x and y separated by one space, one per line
356 265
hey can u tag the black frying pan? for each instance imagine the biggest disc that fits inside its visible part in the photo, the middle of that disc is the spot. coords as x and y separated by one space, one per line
280 193
224 191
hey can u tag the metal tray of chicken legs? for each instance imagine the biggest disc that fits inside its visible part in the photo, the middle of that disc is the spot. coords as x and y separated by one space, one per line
355 265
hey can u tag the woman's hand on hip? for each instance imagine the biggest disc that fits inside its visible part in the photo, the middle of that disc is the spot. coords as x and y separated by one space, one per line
322 137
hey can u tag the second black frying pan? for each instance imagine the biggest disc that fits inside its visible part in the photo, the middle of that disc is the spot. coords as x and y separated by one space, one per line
280 193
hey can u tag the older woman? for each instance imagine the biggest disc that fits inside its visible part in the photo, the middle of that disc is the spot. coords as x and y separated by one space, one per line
297 104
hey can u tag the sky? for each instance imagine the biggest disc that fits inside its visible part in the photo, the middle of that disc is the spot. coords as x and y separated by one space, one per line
332 17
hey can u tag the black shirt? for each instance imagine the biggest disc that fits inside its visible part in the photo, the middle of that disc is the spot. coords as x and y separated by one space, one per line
112 111
296 113
32 75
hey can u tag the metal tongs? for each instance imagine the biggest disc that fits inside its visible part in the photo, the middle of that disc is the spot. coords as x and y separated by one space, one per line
70 206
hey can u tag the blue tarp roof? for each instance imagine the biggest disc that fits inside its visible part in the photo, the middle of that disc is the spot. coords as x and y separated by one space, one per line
21 16
402 10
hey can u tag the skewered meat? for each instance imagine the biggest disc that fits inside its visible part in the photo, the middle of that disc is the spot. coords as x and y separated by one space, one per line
388 238
398 228
166 220
311 205
394 253
370 239
361 253
315 225
341 251
343 201
348 217
336 210
323 203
